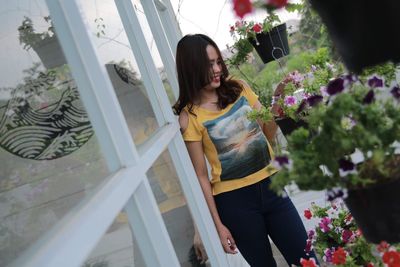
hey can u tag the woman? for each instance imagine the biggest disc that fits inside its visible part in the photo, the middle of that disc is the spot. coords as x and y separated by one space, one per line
212 112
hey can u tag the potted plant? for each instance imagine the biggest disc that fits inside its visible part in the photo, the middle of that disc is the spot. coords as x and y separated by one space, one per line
337 240
349 148
45 44
268 37
301 91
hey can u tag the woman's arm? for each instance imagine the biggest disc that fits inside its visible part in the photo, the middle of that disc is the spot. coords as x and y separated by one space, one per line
196 153
195 150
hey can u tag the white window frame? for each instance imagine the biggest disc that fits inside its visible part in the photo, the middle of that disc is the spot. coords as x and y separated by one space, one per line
71 241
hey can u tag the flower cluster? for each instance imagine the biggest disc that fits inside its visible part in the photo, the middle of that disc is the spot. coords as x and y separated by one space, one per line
337 240
359 122
243 31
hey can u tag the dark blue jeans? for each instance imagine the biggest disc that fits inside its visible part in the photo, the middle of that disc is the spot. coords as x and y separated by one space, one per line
255 212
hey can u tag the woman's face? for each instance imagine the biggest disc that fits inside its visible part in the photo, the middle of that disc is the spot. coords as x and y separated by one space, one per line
216 67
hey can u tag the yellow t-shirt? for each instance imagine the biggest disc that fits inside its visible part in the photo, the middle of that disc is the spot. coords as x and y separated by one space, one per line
235 147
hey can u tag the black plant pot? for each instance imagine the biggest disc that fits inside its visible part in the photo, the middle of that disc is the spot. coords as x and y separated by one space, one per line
273 44
376 209
50 52
364 32
288 125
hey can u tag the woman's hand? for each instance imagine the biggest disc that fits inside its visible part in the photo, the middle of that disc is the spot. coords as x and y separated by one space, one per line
199 247
228 243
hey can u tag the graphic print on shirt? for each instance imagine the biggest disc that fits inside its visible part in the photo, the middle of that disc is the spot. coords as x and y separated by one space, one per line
241 145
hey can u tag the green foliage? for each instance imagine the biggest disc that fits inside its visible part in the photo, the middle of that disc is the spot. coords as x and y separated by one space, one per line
29 37
360 252
387 71
373 129
264 114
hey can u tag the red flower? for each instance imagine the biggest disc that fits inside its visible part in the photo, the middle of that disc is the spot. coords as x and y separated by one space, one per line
257 28
391 258
307 214
370 264
308 263
277 3
339 256
242 7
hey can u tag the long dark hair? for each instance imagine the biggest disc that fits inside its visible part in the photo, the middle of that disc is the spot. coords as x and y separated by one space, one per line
194 73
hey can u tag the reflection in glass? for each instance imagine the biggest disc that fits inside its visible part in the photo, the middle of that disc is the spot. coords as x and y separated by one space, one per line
116 248
172 204
49 156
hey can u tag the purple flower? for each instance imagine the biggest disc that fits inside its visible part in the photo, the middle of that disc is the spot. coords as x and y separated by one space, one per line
313 68
290 101
314 99
296 77
350 78
311 234
335 86
308 247
396 92
327 255
325 224
346 235
335 193
375 82
280 162
369 98
346 165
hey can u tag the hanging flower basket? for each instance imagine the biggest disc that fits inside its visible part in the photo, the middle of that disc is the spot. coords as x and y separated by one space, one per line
273 44
376 210
364 32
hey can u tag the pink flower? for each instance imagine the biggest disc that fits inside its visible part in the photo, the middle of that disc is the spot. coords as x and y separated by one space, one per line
325 224
307 214
242 7
383 246
232 29
238 24
347 235
290 100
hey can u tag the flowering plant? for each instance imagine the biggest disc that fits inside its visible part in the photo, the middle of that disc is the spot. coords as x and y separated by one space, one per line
300 92
337 240
360 115
29 37
244 30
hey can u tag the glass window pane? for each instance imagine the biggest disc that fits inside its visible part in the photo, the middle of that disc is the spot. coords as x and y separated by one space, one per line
172 204
50 158
115 53
117 247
